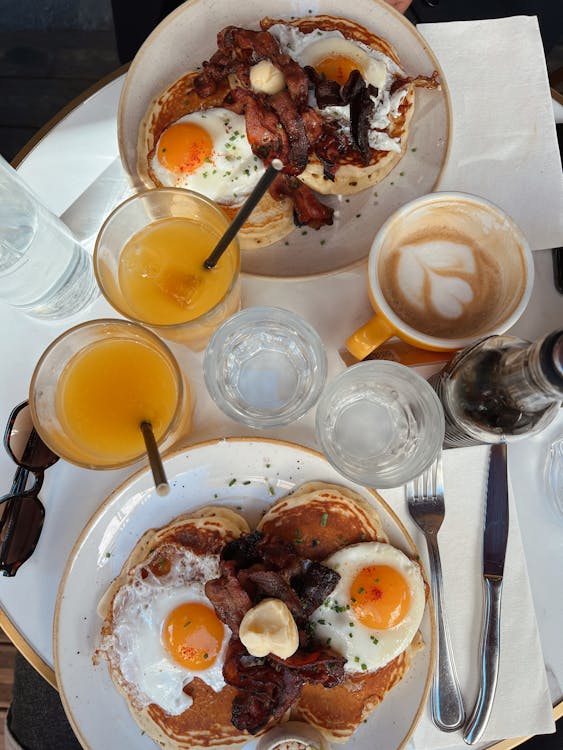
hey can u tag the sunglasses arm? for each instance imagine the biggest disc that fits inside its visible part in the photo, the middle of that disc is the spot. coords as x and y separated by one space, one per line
18 485
20 480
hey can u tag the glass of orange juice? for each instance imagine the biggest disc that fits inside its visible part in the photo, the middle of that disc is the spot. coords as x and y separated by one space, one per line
148 261
96 383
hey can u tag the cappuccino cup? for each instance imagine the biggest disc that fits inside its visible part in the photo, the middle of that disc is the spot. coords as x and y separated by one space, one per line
444 270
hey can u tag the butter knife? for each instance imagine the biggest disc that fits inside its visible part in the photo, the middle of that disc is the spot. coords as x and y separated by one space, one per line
494 550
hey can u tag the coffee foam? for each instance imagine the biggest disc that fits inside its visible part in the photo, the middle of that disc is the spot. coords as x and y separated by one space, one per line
451 269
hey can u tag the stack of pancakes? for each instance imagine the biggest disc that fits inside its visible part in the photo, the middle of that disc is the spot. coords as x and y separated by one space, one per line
272 220
296 518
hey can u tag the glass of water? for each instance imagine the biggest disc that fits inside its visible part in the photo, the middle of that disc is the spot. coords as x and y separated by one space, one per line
380 424
265 367
44 271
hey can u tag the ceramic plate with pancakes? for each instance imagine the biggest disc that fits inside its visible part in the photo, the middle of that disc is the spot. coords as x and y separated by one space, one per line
201 475
166 56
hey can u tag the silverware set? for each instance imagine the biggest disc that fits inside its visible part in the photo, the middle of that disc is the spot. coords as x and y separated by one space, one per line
425 501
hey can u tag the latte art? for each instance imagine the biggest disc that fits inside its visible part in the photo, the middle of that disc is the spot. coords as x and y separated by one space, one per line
440 274
444 270
442 282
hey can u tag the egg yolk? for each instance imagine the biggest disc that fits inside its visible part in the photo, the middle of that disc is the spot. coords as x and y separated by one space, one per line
192 633
336 68
184 147
379 597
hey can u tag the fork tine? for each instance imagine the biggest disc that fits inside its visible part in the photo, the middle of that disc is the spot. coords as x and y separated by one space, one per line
432 478
410 490
420 489
439 475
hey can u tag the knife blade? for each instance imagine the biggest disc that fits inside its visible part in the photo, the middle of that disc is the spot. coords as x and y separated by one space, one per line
495 537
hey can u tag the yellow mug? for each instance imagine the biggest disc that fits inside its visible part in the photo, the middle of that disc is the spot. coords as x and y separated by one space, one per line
445 269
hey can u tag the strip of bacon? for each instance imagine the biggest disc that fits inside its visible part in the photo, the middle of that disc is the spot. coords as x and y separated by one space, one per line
230 600
265 133
308 210
424 82
268 687
294 126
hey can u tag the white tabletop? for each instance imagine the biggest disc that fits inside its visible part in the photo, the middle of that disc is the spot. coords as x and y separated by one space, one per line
60 168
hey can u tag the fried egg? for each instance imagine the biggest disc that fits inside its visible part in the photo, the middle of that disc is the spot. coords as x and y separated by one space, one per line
208 152
165 630
335 57
375 609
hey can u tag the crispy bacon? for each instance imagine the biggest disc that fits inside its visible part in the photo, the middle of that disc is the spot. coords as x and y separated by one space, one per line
330 147
357 94
283 126
308 210
265 690
269 686
327 93
254 567
264 131
314 585
239 49
322 667
424 82
314 125
270 583
293 124
230 600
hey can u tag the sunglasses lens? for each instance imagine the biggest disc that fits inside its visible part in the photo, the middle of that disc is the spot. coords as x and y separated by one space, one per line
25 445
20 527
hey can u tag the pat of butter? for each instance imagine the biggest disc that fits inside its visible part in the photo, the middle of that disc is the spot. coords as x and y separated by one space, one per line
265 78
269 628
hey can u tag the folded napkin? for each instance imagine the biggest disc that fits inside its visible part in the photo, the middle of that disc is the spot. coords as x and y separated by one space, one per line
504 143
522 704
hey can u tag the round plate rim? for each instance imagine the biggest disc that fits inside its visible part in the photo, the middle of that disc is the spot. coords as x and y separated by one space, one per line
194 447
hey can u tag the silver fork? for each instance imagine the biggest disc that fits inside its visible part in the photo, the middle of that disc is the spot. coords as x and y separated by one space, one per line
425 500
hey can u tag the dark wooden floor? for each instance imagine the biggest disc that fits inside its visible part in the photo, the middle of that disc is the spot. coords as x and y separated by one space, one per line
7 658
41 71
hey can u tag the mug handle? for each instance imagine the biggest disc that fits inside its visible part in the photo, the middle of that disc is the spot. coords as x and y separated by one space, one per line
367 338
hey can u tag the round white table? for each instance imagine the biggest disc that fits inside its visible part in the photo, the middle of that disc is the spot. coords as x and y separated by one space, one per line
61 165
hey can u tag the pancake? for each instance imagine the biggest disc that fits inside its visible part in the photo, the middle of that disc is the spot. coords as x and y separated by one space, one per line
352 175
337 712
301 518
320 519
270 221
207 722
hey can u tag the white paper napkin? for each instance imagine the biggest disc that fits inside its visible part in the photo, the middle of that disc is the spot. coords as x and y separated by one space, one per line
522 704
504 143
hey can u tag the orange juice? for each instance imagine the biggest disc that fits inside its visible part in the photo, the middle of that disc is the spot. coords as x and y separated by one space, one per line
161 273
106 391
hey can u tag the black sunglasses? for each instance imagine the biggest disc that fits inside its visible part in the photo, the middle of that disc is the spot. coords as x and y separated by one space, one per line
23 514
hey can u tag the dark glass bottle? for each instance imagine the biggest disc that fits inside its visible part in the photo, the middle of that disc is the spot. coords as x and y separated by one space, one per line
501 388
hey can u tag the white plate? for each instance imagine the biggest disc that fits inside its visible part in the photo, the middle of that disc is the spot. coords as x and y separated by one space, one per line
199 475
187 37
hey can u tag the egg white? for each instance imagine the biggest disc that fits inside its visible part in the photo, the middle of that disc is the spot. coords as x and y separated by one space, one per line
232 170
379 70
335 622
139 610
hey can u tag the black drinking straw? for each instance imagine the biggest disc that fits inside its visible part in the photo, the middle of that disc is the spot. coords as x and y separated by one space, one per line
160 481
244 212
